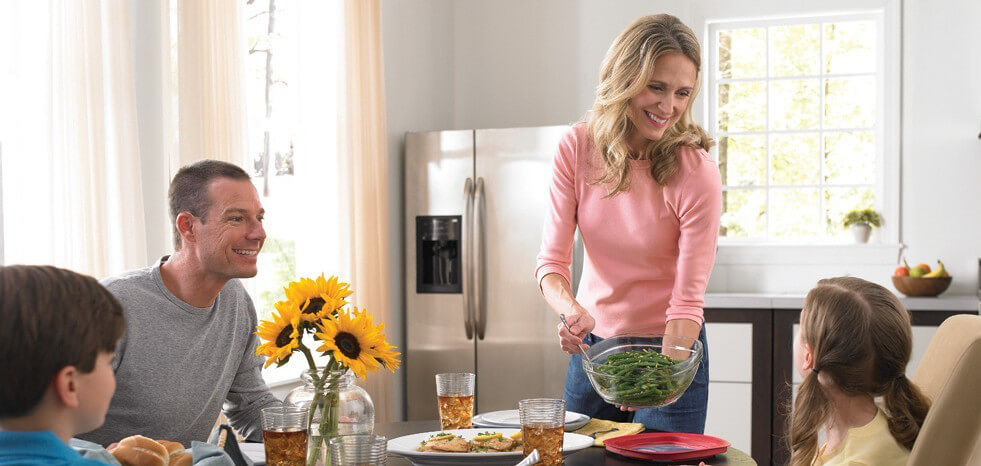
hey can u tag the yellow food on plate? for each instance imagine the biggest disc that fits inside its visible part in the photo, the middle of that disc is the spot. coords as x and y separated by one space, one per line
444 442
491 442
484 442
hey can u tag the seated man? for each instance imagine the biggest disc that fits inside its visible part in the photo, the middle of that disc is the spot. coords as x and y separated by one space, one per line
57 340
189 347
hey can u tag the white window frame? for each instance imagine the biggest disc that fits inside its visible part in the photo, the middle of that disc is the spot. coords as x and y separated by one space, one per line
887 14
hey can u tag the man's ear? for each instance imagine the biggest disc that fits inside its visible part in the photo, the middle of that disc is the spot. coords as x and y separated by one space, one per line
64 386
185 227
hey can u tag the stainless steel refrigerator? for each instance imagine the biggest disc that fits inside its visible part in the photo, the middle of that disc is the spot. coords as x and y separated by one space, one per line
475 203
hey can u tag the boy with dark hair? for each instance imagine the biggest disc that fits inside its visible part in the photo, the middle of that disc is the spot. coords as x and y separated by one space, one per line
58 339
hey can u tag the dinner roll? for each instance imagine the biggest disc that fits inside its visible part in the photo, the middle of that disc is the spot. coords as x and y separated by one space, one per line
140 451
177 455
181 459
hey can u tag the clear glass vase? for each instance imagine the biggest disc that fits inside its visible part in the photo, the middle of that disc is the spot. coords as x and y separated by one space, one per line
336 406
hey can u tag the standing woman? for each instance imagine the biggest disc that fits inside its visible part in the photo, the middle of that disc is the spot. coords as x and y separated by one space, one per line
635 177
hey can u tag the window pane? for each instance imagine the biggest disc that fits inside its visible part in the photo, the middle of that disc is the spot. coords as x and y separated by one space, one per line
794 158
849 102
794 212
794 104
278 256
742 160
849 47
849 157
795 50
744 213
742 106
742 53
838 201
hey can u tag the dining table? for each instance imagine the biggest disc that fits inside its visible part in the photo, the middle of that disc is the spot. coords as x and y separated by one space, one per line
592 456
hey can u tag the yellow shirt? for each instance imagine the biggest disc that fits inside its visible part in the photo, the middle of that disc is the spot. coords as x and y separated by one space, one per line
869 445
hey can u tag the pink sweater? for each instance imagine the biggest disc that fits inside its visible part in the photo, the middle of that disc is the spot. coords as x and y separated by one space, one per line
649 251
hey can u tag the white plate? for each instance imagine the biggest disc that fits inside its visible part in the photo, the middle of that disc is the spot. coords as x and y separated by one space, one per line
407 446
255 451
509 418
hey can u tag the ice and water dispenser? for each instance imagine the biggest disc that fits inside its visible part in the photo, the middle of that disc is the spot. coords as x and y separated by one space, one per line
438 251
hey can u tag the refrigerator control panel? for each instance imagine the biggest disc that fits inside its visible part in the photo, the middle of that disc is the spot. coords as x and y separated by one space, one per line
438 254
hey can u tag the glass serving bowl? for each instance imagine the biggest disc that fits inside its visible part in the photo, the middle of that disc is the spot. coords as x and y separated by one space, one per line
656 373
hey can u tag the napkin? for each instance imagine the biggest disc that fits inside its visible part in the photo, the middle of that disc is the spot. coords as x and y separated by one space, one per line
221 450
602 430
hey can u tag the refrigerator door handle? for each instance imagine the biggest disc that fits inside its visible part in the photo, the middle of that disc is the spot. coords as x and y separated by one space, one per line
479 290
467 259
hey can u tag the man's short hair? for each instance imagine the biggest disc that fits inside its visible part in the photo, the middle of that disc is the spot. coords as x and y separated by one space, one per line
189 189
52 318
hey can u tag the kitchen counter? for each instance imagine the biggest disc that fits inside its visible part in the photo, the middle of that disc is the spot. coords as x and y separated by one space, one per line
795 301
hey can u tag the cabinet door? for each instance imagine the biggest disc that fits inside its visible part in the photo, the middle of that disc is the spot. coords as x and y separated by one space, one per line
730 413
730 351
922 334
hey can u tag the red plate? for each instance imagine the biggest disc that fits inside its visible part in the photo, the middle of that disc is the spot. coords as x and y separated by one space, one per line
665 446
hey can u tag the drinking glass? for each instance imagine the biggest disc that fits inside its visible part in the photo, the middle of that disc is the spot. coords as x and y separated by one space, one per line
454 393
543 428
358 450
284 433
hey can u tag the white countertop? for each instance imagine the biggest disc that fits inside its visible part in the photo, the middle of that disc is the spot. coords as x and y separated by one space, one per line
795 301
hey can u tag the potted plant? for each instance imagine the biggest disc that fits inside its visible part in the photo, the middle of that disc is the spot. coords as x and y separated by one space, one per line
861 222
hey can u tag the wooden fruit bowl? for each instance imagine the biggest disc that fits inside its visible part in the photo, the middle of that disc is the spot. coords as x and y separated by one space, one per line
910 286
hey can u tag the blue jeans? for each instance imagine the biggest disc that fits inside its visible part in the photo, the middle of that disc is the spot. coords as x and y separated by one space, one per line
685 415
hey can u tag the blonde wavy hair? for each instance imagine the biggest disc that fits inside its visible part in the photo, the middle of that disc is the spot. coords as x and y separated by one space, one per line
625 72
861 340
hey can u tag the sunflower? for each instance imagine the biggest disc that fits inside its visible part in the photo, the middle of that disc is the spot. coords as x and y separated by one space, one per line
318 298
282 334
353 341
384 352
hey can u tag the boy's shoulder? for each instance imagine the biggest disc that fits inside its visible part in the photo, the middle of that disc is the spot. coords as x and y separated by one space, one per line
41 448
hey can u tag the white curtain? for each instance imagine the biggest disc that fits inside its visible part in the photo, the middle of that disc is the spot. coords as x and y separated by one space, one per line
211 82
363 158
71 158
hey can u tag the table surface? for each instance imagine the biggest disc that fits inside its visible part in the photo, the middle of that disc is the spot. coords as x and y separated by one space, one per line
589 456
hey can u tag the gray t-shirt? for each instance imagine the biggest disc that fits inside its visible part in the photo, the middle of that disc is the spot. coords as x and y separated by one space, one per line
178 365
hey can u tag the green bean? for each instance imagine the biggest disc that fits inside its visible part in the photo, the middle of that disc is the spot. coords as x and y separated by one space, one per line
637 377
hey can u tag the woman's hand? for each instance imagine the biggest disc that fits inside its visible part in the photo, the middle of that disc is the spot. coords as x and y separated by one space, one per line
581 323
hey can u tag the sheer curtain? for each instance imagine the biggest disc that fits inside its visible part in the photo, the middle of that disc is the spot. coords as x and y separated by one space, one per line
211 82
71 161
363 159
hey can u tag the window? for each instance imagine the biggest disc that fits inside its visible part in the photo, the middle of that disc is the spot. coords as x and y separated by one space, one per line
291 72
797 108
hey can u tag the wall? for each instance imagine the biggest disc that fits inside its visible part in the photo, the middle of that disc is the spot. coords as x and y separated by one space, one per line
517 63
941 150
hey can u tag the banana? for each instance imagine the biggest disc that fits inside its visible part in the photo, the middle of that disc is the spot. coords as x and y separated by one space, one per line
939 272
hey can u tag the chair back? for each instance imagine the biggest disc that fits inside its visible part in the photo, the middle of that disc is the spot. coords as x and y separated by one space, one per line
950 376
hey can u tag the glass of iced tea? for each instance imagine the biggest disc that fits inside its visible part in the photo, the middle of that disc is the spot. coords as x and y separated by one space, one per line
284 432
543 428
454 393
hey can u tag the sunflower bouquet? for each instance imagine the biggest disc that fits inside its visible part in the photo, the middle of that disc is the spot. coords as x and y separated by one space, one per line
347 336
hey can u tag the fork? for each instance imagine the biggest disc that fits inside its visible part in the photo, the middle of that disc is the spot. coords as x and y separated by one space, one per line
594 434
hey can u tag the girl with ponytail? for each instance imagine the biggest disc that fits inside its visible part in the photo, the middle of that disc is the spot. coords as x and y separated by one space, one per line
854 343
